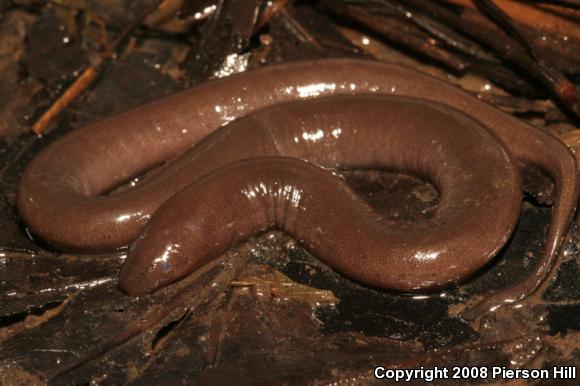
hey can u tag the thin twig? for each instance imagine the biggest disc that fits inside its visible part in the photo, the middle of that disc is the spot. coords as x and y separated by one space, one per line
271 9
505 22
301 32
135 23
564 3
77 88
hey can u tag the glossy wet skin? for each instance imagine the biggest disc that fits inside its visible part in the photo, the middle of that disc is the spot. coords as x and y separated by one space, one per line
318 209
56 195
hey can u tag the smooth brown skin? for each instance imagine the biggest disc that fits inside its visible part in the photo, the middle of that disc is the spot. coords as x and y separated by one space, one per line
320 210
57 192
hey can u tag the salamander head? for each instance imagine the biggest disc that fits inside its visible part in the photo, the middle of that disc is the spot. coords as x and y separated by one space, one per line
150 267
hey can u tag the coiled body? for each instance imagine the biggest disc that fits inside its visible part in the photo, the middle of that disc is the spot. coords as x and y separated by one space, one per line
59 196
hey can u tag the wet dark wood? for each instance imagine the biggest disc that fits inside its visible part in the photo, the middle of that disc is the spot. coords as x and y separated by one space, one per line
226 35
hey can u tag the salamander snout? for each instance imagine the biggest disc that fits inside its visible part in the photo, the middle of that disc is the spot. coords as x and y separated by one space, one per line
149 267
